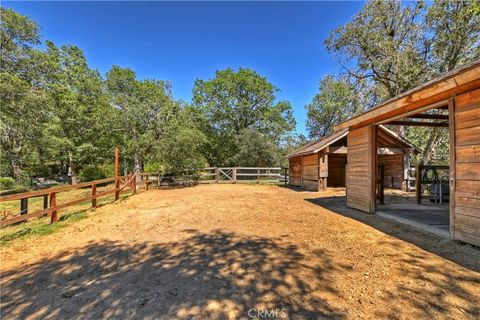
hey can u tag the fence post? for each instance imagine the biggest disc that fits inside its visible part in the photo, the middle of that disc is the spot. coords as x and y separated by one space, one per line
24 206
285 176
258 175
234 175
418 184
94 195
45 201
117 179
217 177
53 204
146 182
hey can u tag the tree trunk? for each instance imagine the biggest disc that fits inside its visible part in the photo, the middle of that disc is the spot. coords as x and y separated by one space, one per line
72 171
432 143
138 165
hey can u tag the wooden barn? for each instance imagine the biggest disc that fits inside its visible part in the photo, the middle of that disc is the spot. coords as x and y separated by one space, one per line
322 163
451 100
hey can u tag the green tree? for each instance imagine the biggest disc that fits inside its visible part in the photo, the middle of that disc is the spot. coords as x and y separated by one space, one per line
24 105
336 102
145 107
179 147
384 44
235 101
77 127
395 47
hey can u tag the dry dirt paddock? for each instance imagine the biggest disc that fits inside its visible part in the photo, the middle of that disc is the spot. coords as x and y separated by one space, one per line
234 251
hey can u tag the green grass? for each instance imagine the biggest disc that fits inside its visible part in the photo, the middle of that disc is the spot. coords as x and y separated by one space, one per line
41 226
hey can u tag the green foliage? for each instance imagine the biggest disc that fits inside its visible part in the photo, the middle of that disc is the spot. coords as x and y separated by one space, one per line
6 183
390 47
233 102
153 167
96 172
336 102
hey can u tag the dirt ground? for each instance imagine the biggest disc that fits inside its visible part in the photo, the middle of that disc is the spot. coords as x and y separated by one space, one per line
238 251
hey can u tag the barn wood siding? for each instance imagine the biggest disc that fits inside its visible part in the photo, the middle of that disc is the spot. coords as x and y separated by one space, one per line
295 171
466 202
393 169
360 171
310 172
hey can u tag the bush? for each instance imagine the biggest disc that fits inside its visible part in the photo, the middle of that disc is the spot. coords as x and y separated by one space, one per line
90 173
6 183
153 167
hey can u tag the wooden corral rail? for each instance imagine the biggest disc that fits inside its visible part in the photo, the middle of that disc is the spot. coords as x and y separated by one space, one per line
133 182
243 175
51 207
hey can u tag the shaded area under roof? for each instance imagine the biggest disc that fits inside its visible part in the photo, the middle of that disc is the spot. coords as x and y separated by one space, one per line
387 138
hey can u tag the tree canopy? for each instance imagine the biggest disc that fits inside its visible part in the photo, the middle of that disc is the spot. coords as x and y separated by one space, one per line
237 106
59 116
390 47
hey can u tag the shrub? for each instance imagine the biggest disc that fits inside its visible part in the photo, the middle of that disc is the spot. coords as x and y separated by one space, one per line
153 167
6 183
92 172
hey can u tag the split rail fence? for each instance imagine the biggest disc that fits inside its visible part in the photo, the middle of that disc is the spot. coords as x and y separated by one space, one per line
134 182
274 175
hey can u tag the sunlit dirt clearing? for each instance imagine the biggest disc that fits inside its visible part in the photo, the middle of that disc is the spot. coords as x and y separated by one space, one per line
234 251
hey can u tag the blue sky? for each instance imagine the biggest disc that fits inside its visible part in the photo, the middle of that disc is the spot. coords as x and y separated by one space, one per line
183 41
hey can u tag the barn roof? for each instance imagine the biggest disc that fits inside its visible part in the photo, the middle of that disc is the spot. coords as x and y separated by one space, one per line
317 145
435 92
387 138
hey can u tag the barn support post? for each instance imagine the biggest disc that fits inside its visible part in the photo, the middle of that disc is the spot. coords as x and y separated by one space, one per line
117 179
418 183
381 186
53 204
372 166
452 164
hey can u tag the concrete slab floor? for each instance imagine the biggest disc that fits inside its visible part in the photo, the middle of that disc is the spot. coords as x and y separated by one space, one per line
433 219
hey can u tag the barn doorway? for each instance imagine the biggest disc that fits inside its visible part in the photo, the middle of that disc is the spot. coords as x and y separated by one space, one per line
423 199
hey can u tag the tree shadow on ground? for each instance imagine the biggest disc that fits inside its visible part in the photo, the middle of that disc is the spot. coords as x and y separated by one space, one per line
207 275
461 253
421 291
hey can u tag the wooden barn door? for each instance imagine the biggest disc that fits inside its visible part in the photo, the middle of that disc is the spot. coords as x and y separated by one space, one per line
310 172
465 167
361 168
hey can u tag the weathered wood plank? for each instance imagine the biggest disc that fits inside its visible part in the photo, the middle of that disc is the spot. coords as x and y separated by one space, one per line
467 136
467 171
466 154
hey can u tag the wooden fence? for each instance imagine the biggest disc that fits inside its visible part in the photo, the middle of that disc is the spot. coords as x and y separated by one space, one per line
274 175
50 195
134 182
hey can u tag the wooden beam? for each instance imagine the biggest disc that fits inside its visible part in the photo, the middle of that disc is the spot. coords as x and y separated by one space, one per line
429 116
457 81
453 164
338 149
372 167
419 124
